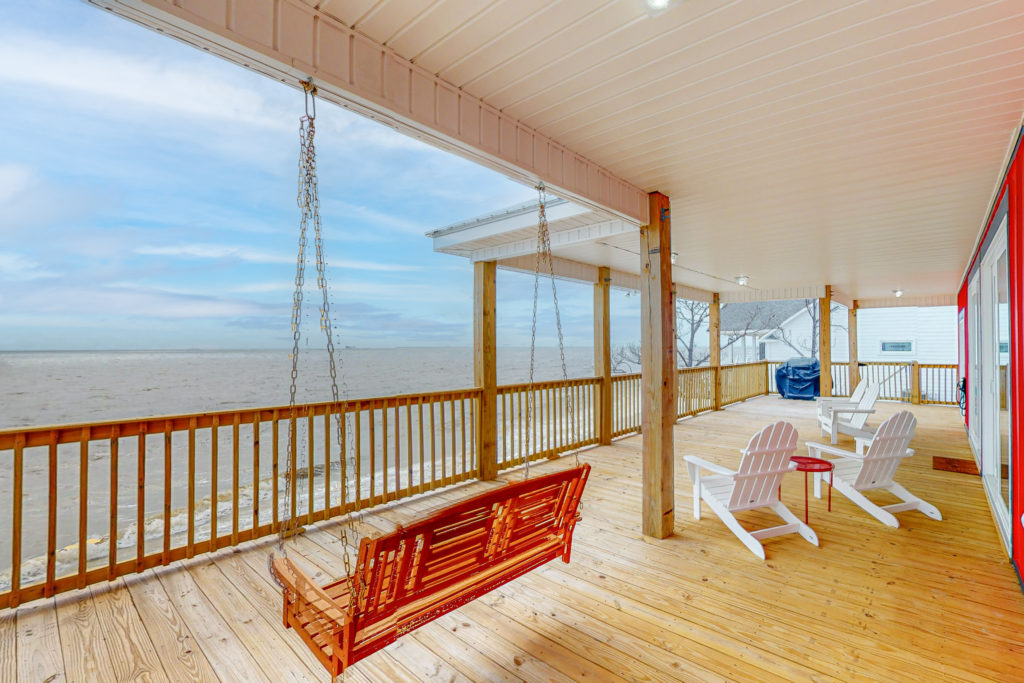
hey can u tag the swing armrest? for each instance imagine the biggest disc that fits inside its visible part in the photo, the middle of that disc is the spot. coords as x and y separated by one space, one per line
307 593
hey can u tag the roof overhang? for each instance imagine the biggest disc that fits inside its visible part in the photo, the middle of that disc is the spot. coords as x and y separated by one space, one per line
857 145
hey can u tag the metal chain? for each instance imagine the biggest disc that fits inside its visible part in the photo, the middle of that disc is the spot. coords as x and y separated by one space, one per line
309 205
544 254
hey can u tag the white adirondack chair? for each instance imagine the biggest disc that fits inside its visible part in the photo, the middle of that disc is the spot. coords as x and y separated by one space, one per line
837 416
754 485
855 473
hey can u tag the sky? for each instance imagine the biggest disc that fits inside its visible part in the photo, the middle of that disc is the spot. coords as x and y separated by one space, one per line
147 200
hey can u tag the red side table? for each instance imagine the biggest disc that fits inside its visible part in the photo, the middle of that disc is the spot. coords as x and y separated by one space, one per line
807 464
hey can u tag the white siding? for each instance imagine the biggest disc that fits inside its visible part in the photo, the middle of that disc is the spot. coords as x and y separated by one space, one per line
932 330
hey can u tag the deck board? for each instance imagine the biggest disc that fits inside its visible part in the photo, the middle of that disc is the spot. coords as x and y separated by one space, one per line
927 601
39 647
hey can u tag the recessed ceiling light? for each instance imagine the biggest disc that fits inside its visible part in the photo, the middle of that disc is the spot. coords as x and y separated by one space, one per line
742 280
655 6
897 293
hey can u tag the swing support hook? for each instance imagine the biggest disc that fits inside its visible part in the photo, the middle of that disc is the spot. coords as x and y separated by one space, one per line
311 93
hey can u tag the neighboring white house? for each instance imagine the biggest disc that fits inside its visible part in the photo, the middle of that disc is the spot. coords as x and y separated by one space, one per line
927 335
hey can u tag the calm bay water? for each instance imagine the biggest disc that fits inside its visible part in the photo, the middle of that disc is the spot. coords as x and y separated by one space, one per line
50 388
44 388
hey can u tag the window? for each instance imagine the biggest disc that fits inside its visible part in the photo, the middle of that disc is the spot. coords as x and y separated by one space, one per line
897 347
1004 347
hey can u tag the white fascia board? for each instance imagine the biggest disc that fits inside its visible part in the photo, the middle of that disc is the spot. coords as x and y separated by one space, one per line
903 301
560 239
748 294
494 225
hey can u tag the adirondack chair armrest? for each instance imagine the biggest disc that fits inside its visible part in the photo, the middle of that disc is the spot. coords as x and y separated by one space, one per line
819 448
717 469
866 411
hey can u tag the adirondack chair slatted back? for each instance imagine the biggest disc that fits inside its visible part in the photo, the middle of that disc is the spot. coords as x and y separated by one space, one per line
867 400
887 449
765 460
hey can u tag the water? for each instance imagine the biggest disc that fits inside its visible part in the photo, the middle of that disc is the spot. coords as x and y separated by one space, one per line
49 388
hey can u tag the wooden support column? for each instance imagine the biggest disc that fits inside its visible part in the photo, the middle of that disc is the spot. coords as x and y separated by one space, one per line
715 346
851 326
603 352
825 340
915 383
658 369
485 367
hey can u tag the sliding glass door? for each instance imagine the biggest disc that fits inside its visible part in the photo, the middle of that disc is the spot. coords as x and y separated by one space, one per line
994 357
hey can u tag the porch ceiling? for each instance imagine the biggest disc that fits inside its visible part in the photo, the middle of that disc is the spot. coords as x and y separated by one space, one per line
802 143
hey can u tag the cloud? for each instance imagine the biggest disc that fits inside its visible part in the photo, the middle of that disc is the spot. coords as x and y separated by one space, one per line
215 251
14 266
15 180
179 88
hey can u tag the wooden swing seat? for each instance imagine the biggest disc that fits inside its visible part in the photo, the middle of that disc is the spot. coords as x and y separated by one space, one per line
418 573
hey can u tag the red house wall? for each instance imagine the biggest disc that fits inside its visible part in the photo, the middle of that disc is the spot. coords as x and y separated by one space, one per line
1015 236
1013 188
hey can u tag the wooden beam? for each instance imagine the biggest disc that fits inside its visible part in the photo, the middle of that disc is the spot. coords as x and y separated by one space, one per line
603 353
825 340
485 372
851 327
715 345
658 369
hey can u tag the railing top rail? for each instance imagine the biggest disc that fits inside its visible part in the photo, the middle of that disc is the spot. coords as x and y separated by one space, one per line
550 384
68 433
949 366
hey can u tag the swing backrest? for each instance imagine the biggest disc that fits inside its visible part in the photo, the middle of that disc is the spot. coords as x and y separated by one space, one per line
443 557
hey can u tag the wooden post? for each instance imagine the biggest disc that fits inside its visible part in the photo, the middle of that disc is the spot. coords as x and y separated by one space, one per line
915 383
715 346
851 326
825 340
485 369
658 369
603 353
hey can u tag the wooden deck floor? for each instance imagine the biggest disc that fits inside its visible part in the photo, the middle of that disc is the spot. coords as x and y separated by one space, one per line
928 601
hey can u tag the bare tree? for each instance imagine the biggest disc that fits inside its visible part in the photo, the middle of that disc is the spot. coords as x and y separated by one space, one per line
691 323
806 347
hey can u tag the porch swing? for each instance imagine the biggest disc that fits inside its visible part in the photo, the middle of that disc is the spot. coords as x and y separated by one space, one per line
415 574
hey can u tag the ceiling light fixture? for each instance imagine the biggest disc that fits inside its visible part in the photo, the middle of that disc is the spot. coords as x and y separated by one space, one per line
742 280
655 7
897 293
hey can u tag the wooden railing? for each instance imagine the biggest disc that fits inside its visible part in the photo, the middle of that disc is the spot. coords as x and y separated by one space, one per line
561 419
908 382
625 404
740 382
91 502
696 391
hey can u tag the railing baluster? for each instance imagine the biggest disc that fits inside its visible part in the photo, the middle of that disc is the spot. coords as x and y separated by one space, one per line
115 441
343 447
444 451
385 495
451 406
408 443
275 454
214 471
234 478
165 557
51 529
423 455
140 502
83 503
398 452
16 503
462 413
191 512
255 472
359 455
373 453
328 435
310 460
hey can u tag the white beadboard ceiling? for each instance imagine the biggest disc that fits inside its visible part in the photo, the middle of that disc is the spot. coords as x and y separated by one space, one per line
802 143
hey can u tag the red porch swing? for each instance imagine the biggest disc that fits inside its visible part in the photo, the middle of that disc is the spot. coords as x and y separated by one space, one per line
416 574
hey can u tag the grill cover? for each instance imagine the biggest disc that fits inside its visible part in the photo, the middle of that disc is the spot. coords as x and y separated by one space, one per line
798 378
